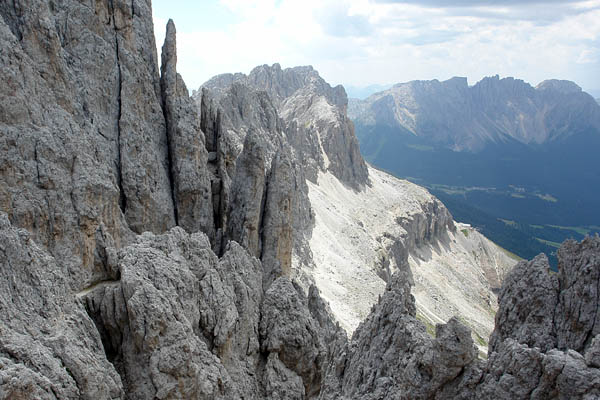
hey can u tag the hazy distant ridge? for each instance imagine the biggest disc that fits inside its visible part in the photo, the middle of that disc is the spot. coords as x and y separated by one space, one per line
462 117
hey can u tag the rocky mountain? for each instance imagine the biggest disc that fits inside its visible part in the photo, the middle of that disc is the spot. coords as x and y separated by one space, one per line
362 92
541 347
500 150
154 245
313 114
363 223
455 115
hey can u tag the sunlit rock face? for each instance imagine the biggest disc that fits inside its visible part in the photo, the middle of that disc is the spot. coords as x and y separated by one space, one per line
157 245
493 111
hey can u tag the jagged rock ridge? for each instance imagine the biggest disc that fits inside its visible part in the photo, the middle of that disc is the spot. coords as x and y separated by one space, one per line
461 117
93 155
346 252
313 115
391 356
102 296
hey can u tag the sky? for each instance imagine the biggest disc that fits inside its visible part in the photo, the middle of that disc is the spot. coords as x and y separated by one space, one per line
380 42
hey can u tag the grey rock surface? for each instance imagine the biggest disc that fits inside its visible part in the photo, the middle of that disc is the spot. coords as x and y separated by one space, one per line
313 115
188 155
288 330
182 323
579 295
222 153
592 354
516 371
95 153
549 352
49 348
141 128
103 297
527 304
248 111
277 229
462 117
83 141
151 319
247 193
243 111
280 382
546 310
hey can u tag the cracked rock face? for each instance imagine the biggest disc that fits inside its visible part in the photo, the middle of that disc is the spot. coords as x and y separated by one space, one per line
313 115
49 348
179 322
547 310
95 153
247 196
390 356
102 296
152 318
188 155
83 142
288 330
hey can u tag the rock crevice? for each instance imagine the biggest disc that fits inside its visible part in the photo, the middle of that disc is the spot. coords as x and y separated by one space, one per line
103 296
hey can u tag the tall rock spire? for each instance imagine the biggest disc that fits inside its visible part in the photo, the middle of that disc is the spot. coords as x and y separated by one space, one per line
188 157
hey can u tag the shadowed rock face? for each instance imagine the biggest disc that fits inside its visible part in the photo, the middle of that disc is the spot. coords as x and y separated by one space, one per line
188 154
532 352
553 310
312 112
49 347
83 141
103 296
468 118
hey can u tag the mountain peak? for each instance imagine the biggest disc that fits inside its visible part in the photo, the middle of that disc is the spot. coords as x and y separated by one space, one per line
562 86
494 110
461 80
311 108
455 82
281 83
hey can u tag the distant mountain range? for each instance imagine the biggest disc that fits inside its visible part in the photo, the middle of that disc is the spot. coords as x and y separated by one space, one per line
362 92
500 150
493 111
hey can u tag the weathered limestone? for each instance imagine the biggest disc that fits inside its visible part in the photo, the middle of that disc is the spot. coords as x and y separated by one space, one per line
49 347
103 297
531 355
188 155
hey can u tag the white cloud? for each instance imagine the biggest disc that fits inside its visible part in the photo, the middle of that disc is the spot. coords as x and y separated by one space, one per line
588 56
364 42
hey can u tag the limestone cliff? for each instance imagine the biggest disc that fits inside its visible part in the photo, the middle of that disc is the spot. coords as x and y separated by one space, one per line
84 155
147 240
391 356
97 149
357 230
313 115
494 111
